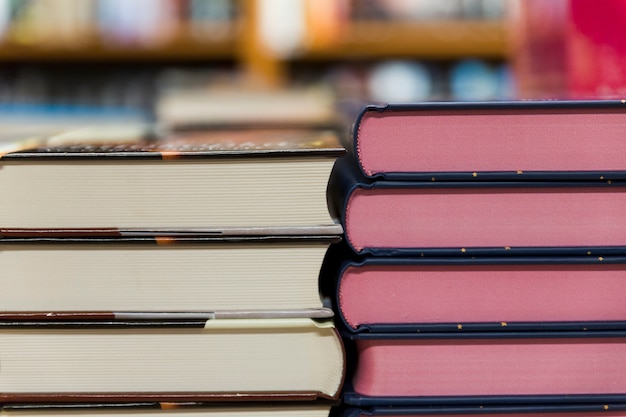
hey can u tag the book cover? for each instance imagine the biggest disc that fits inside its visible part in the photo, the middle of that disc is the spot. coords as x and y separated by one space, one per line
200 276
229 360
530 367
473 141
313 408
468 218
452 410
267 180
466 294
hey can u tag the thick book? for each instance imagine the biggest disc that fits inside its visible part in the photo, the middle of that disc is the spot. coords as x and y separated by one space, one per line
461 294
542 410
205 106
416 217
226 181
211 276
203 361
488 368
315 408
492 140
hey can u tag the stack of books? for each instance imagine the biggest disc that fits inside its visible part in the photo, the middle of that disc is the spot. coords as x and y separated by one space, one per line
486 260
151 275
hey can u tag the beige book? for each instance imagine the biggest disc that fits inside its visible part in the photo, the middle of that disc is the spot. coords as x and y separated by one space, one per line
226 180
219 360
129 277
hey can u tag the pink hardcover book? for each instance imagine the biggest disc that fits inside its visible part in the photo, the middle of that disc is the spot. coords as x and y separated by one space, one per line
381 294
517 367
503 140
414 217
464 410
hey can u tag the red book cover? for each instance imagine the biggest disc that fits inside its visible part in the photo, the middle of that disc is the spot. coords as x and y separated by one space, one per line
480 141
464 410
516 367
465 294
412 217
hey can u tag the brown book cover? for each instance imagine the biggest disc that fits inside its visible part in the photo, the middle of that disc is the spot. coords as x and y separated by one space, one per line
202 143
290 406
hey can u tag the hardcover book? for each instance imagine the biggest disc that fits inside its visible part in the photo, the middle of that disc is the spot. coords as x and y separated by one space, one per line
487 141
188 409
488 368
117 276
202 361
261 181
416 217
464 294
540 410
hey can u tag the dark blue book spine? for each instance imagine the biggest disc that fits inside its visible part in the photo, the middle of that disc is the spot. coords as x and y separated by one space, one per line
523 410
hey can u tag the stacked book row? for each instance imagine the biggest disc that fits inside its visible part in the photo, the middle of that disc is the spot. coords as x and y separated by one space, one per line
485 259
167 275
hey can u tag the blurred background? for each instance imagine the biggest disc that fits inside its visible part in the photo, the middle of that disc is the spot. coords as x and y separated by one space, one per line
134 58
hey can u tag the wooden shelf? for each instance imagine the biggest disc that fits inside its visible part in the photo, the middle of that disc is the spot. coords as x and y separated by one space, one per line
180 47
359 40
424 40
364 40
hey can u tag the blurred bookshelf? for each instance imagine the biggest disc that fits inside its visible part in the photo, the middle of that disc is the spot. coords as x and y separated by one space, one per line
452 39
359 35
102 30
181 46
125 53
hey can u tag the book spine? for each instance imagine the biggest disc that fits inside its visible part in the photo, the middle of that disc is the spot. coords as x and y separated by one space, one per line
344 179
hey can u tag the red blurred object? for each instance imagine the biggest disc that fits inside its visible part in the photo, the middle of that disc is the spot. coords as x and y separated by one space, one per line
597 49
571 49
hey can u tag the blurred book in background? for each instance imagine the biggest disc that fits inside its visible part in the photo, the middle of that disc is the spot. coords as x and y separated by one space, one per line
571 49
222 106
112 23
597 49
